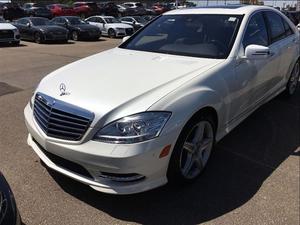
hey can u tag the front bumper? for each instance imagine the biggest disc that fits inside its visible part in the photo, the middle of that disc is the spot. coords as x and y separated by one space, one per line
55 37
89 35
97 158
15 38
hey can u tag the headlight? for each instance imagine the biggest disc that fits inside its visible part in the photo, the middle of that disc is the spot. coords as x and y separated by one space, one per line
15 30
135 128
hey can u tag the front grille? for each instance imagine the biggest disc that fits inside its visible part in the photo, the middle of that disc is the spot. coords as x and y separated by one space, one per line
64 163
6 34
59 119
129 31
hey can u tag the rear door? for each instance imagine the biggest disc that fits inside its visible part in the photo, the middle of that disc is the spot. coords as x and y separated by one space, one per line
283 40
255 77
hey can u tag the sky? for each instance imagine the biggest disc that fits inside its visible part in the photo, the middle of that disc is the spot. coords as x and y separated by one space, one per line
279 3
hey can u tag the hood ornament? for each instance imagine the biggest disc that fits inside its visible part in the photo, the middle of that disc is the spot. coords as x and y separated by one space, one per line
63 89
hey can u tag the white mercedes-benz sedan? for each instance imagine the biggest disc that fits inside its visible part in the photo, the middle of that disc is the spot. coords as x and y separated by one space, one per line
149 111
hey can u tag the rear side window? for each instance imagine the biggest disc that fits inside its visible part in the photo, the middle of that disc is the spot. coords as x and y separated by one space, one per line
276 26
256 32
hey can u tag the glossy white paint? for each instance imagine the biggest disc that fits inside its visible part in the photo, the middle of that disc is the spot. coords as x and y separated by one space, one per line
104 27
120 82
8 26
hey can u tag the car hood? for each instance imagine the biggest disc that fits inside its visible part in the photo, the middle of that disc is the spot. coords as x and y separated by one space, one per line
6 26
119 25
50 28
122 82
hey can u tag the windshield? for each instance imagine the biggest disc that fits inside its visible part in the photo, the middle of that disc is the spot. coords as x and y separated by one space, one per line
208 36
111 20
139 19
40 21
75 21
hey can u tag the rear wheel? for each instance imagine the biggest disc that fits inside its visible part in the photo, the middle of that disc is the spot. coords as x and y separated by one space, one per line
192 150
292 84
111 33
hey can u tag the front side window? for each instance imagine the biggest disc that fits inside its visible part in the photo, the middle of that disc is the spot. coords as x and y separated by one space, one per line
275 25
40 21
23 21
287 28
111 20
208 36
256 32
75 21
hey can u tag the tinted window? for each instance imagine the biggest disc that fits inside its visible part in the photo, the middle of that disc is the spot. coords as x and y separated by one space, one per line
256 32
39 21
287 28
111 20
275 25
75 21
22 21
93 19
100 20
189 35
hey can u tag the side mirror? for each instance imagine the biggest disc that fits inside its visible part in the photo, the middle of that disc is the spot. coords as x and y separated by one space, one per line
28 25
125 38
257 52
133 22
298 26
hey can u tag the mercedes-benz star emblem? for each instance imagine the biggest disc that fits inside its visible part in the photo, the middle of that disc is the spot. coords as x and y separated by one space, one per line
63 89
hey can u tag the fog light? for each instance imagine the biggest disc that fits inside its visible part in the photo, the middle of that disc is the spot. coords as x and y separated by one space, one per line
129 177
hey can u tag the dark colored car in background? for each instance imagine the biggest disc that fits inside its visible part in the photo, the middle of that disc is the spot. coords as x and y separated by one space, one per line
294 16
9 214
78 29
61 10
86 9
108 9
148 18
40 30
37 10
11 11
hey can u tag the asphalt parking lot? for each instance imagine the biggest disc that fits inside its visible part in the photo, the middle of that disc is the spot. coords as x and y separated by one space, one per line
252 177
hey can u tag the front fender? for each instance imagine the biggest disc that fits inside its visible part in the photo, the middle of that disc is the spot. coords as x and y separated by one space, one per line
187 102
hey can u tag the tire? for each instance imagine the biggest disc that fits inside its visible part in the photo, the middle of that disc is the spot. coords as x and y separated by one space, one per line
38 38
192 149
293 82
74 36
111 33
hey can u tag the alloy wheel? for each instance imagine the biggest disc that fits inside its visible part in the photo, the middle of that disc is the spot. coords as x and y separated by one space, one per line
196 149
294 79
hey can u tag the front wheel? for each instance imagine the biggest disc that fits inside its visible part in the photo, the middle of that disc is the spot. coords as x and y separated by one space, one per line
111 33
74 35
292 84
192 150
38 38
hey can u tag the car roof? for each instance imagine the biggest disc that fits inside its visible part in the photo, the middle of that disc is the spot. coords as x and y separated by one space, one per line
229 9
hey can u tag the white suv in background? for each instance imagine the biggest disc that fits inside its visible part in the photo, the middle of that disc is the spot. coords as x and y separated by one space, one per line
110 26
8 33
